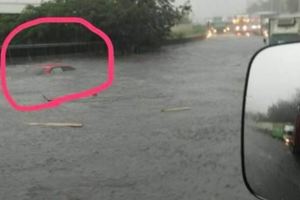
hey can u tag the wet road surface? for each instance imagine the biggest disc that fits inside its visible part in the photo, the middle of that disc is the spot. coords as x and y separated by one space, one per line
272 170
128 148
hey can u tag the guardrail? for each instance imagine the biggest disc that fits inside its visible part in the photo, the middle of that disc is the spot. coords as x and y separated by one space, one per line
50 45
185 39
47 49
43 49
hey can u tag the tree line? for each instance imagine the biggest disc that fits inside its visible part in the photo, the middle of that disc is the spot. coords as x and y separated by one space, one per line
131 24
284 111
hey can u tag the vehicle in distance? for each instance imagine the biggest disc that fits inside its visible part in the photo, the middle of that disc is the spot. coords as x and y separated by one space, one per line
284 29
242 25
288 134
218 25
260 22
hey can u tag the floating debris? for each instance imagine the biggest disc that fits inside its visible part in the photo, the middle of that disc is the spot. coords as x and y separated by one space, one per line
71 125
179 109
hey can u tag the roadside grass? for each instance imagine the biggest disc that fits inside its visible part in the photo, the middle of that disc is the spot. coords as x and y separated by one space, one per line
187 31
276 130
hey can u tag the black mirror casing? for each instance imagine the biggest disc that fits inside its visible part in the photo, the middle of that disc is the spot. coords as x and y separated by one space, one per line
248 186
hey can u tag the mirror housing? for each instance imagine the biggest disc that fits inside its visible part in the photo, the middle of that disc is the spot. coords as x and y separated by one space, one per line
271 123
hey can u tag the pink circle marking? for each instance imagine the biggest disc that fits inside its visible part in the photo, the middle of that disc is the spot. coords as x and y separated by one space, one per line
69 97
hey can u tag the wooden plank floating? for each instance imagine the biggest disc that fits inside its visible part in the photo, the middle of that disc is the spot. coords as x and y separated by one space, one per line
58 125
176 109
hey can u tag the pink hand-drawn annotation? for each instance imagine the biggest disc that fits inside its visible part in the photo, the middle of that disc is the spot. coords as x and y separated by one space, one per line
69 97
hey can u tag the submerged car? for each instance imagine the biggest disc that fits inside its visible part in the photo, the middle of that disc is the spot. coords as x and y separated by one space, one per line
52 68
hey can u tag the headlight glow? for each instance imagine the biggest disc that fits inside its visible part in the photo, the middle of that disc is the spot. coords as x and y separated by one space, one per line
209 34
254 27
266 34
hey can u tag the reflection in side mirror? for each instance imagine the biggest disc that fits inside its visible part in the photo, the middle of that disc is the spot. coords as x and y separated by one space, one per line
271 124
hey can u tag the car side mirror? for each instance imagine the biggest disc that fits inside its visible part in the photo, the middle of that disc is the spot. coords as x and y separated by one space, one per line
271 124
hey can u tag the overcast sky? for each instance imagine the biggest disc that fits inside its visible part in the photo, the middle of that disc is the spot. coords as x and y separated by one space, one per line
274 76
209 8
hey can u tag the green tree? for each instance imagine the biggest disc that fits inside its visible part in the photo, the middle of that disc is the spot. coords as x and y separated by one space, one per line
284 111
132 24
